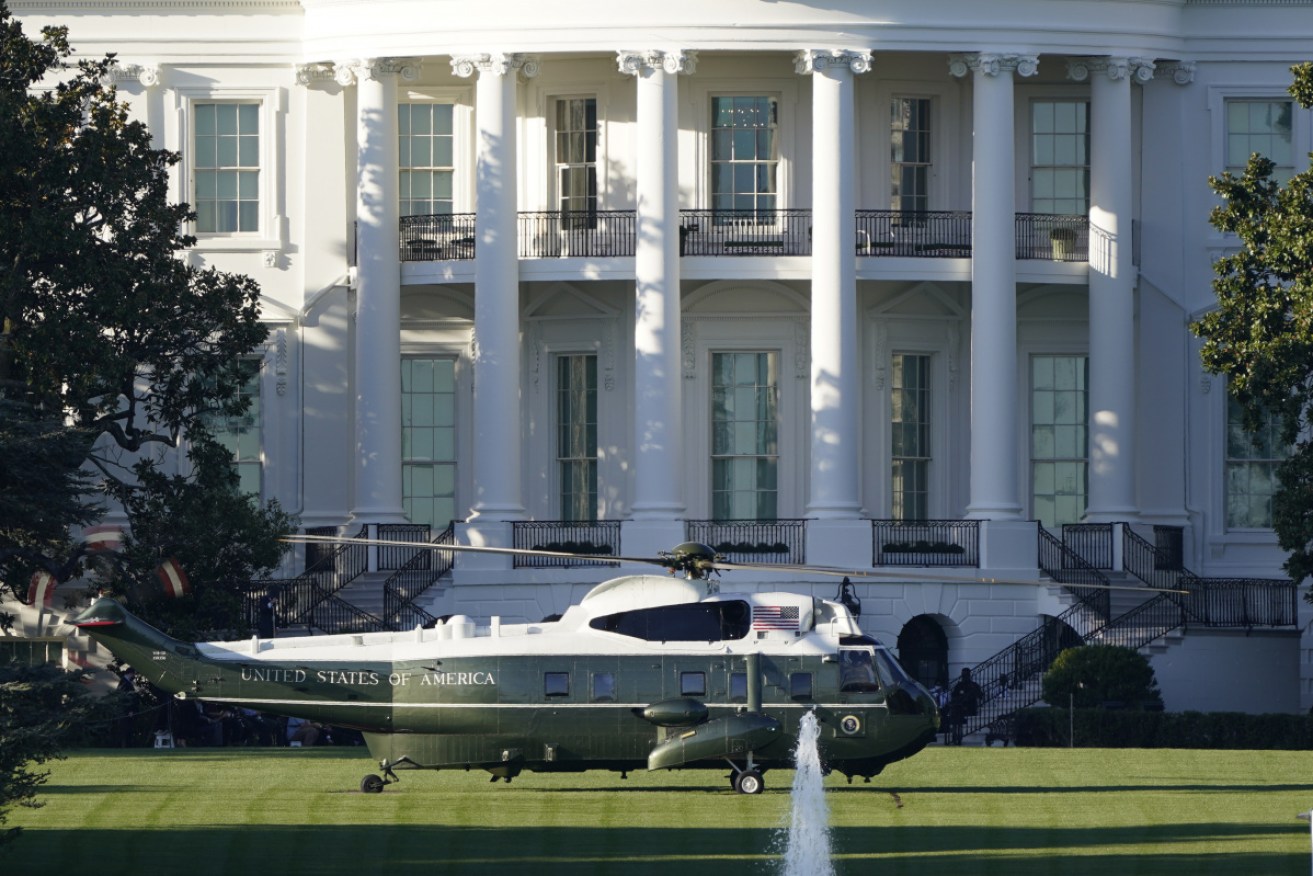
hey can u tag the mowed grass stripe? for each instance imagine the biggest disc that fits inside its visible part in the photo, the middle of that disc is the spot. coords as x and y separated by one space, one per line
1013 812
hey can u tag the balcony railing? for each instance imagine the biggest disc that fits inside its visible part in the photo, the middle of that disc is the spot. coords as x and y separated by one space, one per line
745 232
921 234
773 542
926 543
437 238
553 234
598 537
550 234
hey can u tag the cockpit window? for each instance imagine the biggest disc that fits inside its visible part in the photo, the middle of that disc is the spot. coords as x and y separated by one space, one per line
691 622
857 671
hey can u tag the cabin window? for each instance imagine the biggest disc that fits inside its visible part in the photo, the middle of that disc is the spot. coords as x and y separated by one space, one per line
857 672
692 622
738 687
556 684
800 685
693 684
603 687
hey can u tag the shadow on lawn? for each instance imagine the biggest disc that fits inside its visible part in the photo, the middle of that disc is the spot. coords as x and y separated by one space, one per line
402 850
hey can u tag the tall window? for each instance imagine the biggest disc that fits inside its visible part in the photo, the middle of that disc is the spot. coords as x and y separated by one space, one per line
1060 156
576 161
744 435
1251 464
1262 126
909 155
744 159
241 435
227 167
428 440
910 445
1059 444
576 435
426 147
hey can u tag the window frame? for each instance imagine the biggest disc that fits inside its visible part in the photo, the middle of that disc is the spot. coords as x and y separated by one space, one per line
1230 462
414 99
928 165
926 425
1032 164
453 463
560 461
1031 422
776 356
273 221
557 167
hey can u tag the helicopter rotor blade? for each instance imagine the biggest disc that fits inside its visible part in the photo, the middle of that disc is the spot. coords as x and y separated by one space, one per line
469 548
673 563
893 577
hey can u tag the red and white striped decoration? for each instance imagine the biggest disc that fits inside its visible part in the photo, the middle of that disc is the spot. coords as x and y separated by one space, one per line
103 538
173 578
41 592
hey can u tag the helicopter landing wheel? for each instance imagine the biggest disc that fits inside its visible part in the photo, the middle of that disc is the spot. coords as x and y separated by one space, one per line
371 784
749 782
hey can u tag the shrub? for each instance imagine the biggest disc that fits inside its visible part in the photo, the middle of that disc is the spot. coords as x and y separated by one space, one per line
1091 675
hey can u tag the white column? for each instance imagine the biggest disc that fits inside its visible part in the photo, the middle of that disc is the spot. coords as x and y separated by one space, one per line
835 385
1111 288
994 411
377 354
658 427
496 355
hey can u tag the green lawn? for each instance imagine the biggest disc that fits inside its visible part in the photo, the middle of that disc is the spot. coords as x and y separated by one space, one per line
1013 812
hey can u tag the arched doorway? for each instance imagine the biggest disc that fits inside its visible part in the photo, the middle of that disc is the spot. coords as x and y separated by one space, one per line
923 650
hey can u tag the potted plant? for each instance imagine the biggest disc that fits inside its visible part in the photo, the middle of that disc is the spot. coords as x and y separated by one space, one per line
1064 243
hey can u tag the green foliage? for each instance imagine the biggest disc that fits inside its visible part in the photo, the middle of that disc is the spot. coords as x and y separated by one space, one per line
39 707
1261 334
1091 675
1104 728
221 537
114 350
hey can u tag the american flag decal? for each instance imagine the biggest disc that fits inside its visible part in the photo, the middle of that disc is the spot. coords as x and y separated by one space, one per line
775 617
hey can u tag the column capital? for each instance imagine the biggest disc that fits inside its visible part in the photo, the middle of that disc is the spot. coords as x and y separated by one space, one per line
495 63
146 75
993 64
814 60
1115 68
678 61
1181 72
319 73
351 72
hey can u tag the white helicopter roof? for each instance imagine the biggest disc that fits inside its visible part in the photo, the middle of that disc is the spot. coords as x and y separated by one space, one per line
778 620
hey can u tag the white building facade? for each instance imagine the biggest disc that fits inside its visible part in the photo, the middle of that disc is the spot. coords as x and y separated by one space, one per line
871 285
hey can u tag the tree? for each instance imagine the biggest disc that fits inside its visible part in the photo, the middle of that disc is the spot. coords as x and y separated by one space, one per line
39 707
1090 675
1261 334
116 351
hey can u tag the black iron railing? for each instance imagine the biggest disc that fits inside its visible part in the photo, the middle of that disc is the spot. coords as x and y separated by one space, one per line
1243 602
1046 236
438 237
745 232
413 579
333 569
921 234
1143 560
1092 542
596 537
926 542
392 557
1025 661
548 234
552 234
752 541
